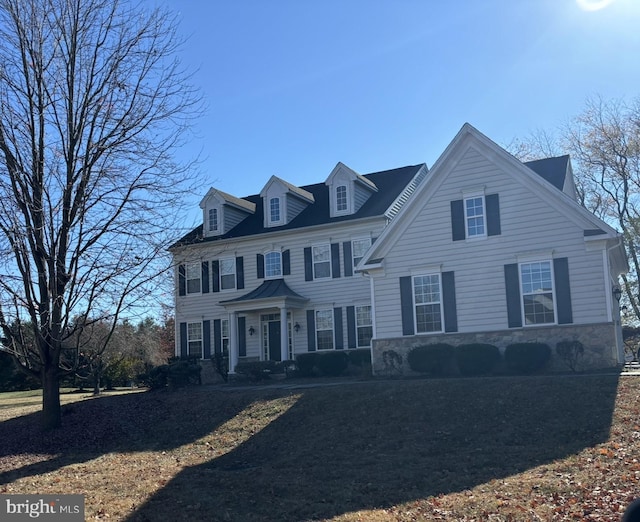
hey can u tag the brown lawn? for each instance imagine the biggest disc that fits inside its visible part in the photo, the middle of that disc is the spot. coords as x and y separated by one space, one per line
496 449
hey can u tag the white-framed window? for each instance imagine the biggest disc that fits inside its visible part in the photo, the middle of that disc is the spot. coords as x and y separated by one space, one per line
194 339
359 248
224 336
364 326
342 202
227 273
273 264
274 210
475 216
213 220
321 255
324 329
193 273
536 280
427 300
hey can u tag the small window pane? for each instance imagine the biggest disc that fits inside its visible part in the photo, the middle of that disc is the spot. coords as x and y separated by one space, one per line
359 247
364 327
341 198
213 219
273 264
537 293
227 273
474 208
193 273
324 329
274 209
426 291
194 339
321 261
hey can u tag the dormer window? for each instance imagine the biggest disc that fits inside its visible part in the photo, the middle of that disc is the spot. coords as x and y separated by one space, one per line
274 210
213 220
342 204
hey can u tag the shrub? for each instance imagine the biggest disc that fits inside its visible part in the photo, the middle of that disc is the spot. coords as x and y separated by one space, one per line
306 362
183 373
332 364
221 365
477 358
258 370
360 358
525 358
433 359
156 377
570 352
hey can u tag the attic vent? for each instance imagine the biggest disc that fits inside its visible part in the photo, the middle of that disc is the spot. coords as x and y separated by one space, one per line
406 193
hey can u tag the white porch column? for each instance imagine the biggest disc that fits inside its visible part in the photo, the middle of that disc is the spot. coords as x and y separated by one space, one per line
233 342
284 335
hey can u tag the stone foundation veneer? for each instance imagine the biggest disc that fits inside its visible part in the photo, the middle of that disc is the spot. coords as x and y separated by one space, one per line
599 341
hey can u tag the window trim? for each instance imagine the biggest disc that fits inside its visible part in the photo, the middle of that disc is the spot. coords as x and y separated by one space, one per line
358 326
224 338
232 262
353 249
272 200
329 311
440 303
190 340
196 268
266 273
467 218
533 261
214 220
346 208
314 263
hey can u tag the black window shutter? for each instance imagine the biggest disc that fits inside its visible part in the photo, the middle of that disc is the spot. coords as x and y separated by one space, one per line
512 286
493 214
308 265
182 280
348 259
335 260
242 337
260 265
239 273
457 220
206 337
352 341
337 328
215 274
183 339
563 290
311 330
406 305
286 262
205 277
449 302
217 336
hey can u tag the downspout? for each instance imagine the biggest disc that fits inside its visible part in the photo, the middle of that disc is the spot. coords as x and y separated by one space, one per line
613 317
373 317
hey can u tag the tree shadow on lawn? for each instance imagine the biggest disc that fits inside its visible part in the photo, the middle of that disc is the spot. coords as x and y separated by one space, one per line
151 421
379 444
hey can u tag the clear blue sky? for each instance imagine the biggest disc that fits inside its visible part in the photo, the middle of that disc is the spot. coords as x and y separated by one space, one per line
293 87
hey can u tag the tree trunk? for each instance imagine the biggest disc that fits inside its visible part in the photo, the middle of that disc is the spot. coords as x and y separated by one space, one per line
51 413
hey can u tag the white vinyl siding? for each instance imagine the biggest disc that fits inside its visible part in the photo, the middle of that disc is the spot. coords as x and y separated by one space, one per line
529 223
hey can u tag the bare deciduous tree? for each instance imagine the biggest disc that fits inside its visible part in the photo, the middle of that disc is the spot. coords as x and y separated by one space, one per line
93 103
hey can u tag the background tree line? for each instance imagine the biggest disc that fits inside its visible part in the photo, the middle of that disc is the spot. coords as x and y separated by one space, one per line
604 144
101 357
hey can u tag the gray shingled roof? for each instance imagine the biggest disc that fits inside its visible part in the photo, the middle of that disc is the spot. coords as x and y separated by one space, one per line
553 170
390 185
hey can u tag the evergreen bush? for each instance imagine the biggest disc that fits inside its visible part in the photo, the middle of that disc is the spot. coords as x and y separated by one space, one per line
433 359
526 358
332 364
306 363
477 358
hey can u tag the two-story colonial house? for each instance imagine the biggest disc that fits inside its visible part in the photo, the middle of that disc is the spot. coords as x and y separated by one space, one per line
482 248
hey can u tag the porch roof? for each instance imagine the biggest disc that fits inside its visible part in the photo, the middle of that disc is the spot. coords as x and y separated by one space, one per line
272 293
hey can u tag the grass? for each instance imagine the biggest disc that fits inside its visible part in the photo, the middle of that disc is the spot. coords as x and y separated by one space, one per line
503 449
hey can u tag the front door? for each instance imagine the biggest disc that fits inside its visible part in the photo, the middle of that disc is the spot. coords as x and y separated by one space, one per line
273 340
